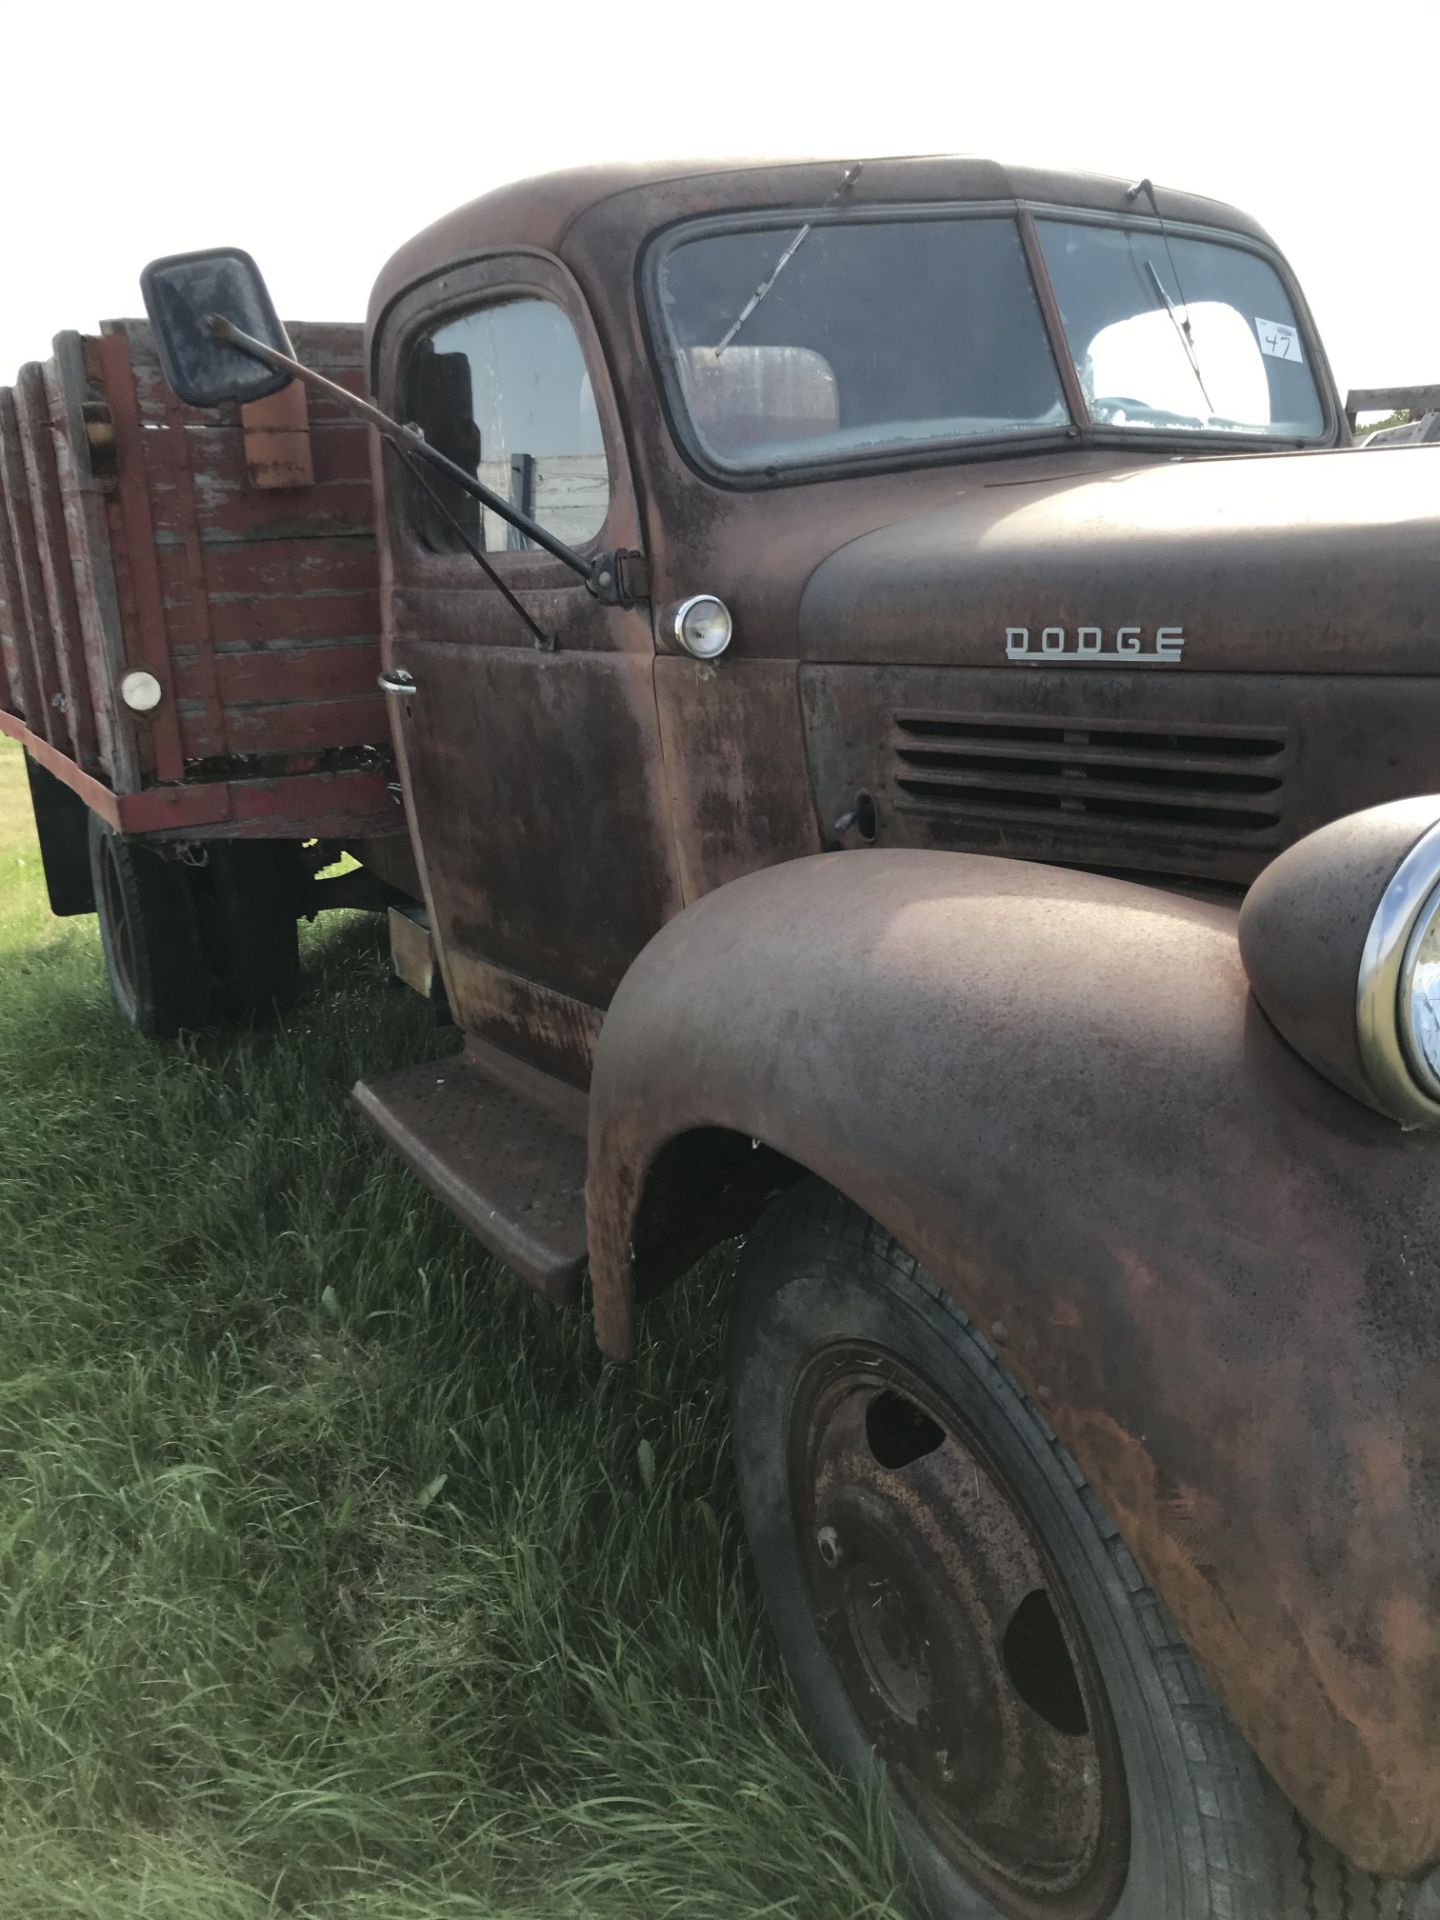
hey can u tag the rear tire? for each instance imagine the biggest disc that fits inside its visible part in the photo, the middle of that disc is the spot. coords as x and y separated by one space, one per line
149 935
188 947
1058 1758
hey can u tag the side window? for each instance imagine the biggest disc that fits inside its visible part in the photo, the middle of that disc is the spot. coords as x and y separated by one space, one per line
503 390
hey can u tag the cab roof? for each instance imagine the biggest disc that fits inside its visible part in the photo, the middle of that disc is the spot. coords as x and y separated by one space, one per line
542 211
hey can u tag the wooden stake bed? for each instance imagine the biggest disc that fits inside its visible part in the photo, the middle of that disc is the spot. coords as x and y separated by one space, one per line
230 555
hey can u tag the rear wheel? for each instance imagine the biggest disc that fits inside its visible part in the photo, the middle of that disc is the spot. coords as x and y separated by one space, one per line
952 1603
187 945
149 934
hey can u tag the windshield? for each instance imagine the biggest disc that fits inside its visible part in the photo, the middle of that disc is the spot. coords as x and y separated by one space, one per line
876 334
1172 333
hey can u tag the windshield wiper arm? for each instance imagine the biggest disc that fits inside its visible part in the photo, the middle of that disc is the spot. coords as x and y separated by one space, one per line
1182 328
848 179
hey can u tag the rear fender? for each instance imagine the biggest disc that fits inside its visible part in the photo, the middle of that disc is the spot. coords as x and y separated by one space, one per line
1215 1273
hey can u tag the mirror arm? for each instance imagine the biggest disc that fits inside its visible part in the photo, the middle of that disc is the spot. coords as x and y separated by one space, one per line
601 574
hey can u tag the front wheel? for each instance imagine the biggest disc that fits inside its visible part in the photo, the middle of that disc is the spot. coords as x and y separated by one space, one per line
952 1602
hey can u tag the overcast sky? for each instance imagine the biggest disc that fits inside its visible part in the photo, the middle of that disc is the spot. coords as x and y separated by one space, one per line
320 137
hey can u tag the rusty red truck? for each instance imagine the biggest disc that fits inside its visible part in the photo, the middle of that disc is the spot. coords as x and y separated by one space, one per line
911 735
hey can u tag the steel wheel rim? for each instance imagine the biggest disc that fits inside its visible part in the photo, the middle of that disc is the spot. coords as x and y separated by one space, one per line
984 1702
117 919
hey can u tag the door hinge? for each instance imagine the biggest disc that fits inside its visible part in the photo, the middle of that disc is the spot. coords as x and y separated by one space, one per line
620 579
634 572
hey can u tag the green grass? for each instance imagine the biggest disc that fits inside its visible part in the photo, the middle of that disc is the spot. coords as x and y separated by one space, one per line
338 1575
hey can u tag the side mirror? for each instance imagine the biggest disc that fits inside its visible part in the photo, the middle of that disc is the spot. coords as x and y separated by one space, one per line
180 293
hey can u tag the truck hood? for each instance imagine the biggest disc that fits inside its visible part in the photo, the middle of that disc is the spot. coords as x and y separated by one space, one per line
1324 562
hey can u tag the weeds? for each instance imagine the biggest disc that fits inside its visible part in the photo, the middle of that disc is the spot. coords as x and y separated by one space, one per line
338 1575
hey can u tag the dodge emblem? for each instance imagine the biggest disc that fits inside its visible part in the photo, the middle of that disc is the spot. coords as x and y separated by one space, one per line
1096 646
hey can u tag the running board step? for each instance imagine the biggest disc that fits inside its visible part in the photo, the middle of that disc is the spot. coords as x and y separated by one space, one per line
504 1147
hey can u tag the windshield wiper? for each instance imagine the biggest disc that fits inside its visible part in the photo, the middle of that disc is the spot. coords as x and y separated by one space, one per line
1187 339
1182 327
848 179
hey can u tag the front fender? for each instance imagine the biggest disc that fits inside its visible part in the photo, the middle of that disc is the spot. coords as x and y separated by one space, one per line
1216 1273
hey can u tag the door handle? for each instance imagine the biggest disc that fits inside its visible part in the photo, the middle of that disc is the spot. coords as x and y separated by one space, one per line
396 680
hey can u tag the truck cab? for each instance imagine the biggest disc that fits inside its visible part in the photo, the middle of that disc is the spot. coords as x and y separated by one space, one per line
981 595
1024 510
952 796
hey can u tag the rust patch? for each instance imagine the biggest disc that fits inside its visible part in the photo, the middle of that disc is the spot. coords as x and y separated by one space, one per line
1255 1396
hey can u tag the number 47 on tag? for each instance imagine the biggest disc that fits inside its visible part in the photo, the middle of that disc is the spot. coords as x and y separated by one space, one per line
1280 341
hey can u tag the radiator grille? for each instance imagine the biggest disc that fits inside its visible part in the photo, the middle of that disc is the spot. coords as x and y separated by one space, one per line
1209 782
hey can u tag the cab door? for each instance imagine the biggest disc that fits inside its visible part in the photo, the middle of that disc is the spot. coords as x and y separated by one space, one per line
531 766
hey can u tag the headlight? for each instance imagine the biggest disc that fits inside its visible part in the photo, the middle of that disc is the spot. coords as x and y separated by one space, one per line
1398 997
702 626
1341 939
1420 997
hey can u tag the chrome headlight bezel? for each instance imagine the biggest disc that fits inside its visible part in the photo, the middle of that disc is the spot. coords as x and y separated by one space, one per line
1404 1083
1420 997
1332 934
699 609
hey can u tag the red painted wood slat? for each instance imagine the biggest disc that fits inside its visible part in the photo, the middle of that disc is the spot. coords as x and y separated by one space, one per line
43 703
83 493
285 673
52 547
293 726
132 535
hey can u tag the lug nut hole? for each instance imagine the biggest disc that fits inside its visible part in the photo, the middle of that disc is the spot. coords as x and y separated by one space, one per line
899 1432
1040 1668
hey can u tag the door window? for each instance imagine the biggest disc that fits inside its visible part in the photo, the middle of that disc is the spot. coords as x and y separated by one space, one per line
504 392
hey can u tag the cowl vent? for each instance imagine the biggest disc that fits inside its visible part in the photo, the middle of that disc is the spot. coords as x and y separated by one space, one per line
1222 785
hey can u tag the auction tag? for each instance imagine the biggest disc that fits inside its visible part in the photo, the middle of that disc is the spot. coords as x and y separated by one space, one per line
1278 340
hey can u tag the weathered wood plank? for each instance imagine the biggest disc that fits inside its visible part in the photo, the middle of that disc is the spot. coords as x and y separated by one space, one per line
132 546
21 693
277 439
326 344
32 411
285 673
304 726
68 389
295 725
283 620
41 680
156 397
192 580
338 451
326 806
335 510
275 567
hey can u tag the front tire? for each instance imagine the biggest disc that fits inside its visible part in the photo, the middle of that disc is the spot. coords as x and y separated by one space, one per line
952 1602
